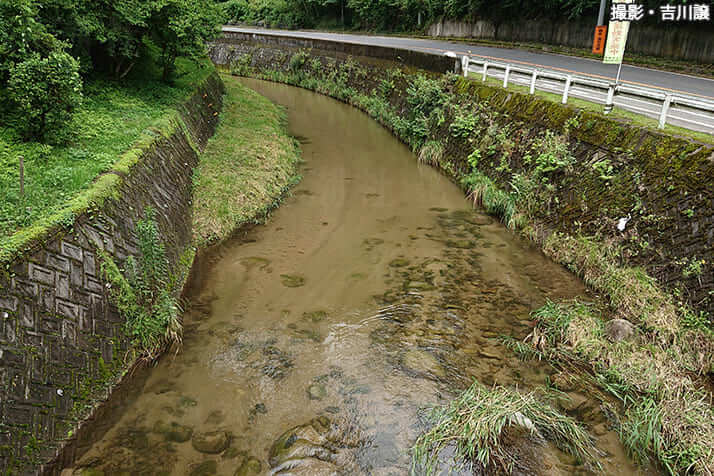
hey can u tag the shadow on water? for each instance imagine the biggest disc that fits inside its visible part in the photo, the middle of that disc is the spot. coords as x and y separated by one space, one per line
312 342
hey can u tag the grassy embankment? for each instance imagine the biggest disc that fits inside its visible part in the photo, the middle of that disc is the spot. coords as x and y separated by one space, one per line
110 128
664 413
245 168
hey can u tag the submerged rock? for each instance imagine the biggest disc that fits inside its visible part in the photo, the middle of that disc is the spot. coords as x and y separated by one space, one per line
292 280
316 391
173 431
314 316
251 466
205 469
423 363
212 442
303 441
399 262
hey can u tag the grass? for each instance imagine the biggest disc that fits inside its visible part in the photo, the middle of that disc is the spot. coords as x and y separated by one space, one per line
432 152
114 118
666 416
246 166
616 113
476 423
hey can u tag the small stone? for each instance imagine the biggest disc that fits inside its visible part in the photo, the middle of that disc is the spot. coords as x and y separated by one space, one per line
316 391
212 442
259 408
292 280
232 453
489 355
562 382
399 262
332 410
422 362
314 316
185 401
205 469
420 286
619 329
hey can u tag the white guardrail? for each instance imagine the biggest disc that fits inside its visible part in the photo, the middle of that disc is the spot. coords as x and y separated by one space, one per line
687 111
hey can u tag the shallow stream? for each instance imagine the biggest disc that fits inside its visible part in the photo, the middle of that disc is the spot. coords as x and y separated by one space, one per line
373 291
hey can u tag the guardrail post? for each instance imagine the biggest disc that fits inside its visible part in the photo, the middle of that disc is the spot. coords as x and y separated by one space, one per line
505 75
533 81
665 110
609 101
465 65
568 80
485 68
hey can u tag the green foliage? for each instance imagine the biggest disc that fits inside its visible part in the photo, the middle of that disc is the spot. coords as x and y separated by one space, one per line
464 123
241 66
45 92
142 293
551 153
604 169
298 60
182 28
477 420
426 99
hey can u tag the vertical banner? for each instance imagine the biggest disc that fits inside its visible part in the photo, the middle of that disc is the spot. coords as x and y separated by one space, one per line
599 39
617 37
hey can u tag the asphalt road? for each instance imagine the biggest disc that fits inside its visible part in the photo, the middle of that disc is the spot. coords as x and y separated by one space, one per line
634 75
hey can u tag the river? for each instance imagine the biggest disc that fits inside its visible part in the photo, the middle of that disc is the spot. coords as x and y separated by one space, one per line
375 290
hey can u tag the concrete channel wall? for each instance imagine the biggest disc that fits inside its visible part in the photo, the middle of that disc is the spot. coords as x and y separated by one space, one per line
661 184
62 345
678 43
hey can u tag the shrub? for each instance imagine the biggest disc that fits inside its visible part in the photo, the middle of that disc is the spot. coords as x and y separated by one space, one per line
241 66
45 93
464 124
552 153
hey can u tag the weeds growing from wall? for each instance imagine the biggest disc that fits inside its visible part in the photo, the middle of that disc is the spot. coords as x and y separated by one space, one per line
145 293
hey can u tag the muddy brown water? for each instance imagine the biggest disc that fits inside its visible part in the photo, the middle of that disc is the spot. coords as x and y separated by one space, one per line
374 291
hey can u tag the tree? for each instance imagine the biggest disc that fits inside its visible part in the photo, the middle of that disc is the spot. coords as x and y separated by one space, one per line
182 28
44 92
21 35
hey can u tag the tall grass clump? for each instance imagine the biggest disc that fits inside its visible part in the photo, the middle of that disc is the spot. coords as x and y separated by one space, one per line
485 193
474 424
432 152
667 417
144 293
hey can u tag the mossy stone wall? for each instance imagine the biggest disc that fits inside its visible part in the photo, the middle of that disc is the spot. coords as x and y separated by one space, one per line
62 345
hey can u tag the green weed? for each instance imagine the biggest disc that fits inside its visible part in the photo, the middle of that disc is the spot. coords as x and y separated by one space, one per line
475 424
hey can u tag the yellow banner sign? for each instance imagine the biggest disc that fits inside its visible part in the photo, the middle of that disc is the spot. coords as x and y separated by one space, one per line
616 37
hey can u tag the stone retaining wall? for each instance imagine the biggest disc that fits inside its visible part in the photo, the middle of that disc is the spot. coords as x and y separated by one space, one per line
62 346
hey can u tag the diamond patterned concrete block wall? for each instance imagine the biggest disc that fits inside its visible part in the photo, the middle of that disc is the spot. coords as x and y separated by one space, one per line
59 331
